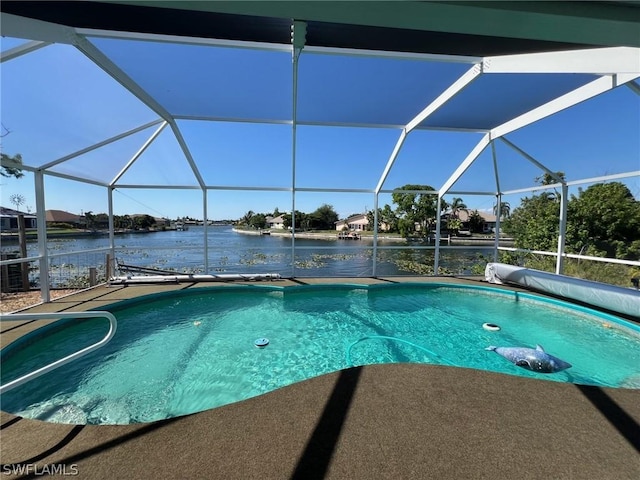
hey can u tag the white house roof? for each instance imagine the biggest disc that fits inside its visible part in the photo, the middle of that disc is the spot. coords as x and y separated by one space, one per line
278 219
464 215
354 218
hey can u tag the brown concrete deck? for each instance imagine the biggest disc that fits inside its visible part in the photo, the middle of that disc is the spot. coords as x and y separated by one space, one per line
375 422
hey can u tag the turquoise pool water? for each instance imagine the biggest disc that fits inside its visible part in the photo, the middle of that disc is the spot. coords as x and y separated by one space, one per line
193 350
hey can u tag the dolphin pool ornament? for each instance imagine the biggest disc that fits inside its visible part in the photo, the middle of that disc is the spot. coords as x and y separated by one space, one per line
536 360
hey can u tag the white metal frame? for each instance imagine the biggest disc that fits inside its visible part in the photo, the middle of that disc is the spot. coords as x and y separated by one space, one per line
614 66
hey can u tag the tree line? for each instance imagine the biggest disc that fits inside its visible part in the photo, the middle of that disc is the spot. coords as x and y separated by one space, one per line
603 220
414 213
100 221
322 218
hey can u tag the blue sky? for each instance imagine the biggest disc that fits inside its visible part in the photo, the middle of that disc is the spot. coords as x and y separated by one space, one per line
56 102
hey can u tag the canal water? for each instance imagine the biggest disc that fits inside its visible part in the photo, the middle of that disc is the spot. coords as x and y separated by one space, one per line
233 252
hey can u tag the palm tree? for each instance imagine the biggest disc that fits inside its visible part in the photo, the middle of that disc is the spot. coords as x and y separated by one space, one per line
457 205
246 218
548 179
505 210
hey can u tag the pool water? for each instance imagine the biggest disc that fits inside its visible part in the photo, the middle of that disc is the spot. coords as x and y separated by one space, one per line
180 353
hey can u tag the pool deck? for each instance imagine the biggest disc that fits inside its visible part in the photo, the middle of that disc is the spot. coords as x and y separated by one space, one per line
402 421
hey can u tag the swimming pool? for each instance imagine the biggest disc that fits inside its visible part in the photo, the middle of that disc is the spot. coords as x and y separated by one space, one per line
188 351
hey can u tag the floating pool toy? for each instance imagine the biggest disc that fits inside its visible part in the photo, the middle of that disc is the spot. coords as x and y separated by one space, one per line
492 327
536 360
261 342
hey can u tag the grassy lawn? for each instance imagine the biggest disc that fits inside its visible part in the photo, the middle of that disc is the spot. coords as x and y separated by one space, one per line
50 231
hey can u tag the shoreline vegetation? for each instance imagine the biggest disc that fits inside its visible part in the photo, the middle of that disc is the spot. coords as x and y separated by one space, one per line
72 233
485 240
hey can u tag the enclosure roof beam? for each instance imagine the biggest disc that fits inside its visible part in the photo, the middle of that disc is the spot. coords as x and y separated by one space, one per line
100 59
466 163
455 88
599 61
183 40
634 86
397 55
605 178
585 92
496 172
23 27
123 79
135 157
391 160
157 187
73 177
533 160
22 50
187 153
95 146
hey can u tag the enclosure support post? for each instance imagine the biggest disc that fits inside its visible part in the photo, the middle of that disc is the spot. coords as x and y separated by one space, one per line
436 259
41 215
563 229
112 240
293 167
108 267
496 242
498 216
22 240
298 40
375 233
205 215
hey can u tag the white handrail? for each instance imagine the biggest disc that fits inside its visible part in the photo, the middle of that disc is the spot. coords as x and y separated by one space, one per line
113 324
